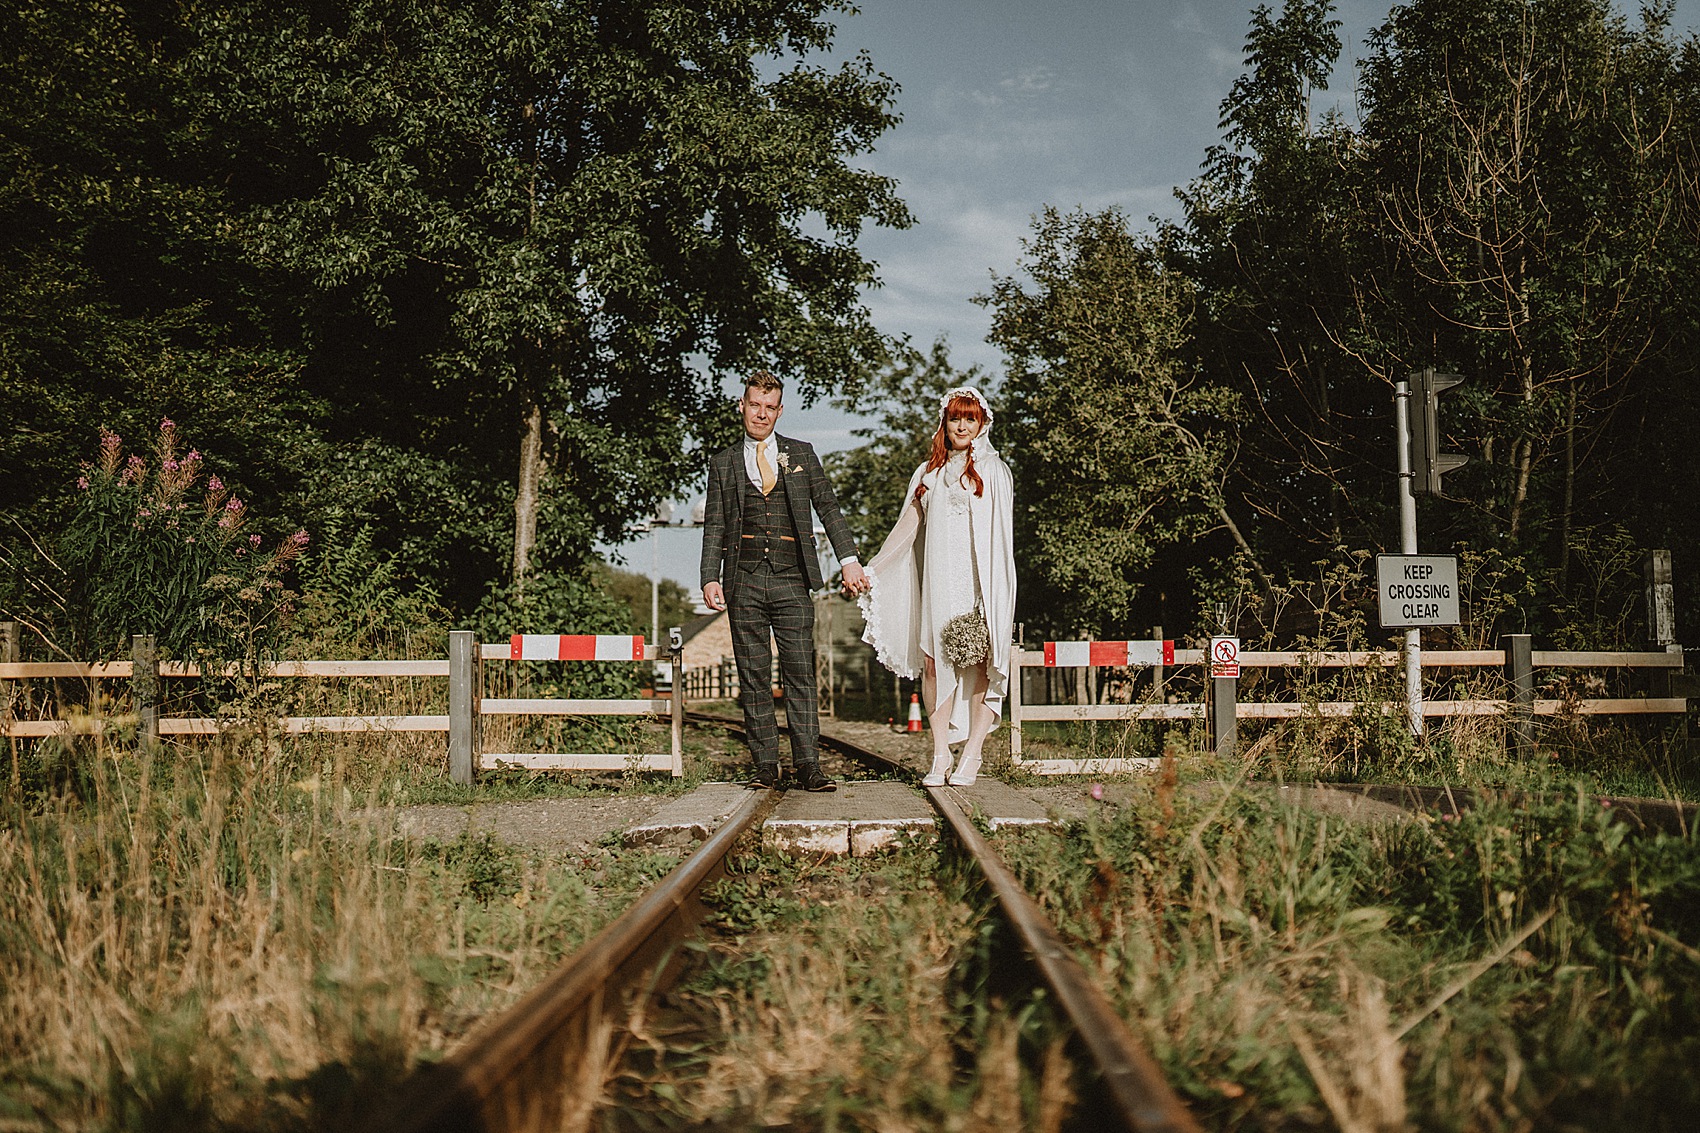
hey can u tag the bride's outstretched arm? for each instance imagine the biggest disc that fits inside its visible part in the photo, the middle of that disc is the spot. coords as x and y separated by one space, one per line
902 537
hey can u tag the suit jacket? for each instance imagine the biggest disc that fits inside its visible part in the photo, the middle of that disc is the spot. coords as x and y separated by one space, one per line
805 484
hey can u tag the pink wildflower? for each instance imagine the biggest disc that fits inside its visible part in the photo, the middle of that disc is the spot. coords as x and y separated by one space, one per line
83 483
214 484
253 540
224 521
170 466
299 538
111 448
166 425
194 456
234 504
1098 791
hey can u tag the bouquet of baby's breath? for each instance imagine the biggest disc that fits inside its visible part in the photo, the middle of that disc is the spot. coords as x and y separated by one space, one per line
966 640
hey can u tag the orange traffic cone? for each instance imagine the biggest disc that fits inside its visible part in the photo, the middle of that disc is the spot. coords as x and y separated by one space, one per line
914 712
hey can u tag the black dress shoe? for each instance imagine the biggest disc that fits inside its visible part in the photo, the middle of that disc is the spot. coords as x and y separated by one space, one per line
766 777
809 778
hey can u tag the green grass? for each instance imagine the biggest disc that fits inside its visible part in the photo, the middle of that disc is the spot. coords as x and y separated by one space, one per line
1291 969
232 936
851 994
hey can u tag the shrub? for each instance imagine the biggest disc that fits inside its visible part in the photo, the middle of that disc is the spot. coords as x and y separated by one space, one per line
157 546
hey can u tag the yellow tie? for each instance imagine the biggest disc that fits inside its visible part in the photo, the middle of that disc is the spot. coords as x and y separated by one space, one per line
765 467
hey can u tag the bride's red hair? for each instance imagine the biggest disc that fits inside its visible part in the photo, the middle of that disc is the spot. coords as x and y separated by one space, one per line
962 405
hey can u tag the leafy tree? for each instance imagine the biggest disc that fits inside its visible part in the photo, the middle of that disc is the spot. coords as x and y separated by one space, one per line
1119 448
904 398
535 236
1517 204
1271 237
124 296
1534 163
633 589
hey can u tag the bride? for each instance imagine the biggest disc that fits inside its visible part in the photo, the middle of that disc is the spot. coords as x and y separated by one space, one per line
942 601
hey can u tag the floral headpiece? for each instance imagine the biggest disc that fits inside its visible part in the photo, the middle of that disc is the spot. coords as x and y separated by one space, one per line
966 391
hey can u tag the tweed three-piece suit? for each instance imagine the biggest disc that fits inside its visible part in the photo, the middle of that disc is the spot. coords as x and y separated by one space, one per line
761 549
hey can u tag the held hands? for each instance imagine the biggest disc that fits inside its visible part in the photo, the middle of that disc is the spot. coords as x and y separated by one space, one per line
855 580
714 596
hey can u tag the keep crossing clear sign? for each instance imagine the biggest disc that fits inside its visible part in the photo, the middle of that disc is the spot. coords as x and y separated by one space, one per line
1417 590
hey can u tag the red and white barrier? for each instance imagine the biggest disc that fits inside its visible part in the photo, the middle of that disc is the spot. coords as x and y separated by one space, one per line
575 647
1085 654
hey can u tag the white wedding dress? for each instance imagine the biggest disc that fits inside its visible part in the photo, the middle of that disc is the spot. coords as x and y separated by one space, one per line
952 549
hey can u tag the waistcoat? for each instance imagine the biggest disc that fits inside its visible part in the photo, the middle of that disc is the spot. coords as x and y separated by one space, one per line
769 536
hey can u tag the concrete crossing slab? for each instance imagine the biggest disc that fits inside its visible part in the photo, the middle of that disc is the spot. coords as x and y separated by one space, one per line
688 818
856 819
1002 804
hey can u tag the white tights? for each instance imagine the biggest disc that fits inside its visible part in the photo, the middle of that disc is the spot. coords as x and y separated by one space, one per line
981 721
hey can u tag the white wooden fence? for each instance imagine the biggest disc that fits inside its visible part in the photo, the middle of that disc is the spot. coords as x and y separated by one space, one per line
463 669
1516 709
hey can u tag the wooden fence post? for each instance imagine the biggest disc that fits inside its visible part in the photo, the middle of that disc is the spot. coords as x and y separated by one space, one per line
1014 698
144 688
1661 615
465 670
11 649
1224 714
676 709
1520 704
1157 669
1660 598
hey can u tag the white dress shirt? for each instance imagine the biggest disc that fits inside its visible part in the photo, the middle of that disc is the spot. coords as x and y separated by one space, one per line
754 473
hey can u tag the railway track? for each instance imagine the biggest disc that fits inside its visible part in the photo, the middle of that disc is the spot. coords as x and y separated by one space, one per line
539 1064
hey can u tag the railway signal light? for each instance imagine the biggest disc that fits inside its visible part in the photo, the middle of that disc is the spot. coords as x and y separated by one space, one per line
1428 463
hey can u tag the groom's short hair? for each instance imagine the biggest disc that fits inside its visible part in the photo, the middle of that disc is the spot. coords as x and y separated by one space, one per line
764 380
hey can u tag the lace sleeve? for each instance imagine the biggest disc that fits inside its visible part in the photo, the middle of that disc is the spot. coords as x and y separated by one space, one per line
901 539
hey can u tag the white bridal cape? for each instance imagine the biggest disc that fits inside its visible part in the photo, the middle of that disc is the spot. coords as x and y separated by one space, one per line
925 575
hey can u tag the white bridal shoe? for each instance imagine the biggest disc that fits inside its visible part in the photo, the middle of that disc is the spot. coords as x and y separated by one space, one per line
967 771
940 770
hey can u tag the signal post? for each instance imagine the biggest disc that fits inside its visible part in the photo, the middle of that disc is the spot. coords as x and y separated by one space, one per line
1411 596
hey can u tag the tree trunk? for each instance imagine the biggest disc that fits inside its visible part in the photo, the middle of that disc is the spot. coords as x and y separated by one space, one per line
528 494
1569 488
1523 455
1263 580
1525 465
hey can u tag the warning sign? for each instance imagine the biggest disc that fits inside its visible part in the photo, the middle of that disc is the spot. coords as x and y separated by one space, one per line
1417 590
1224 657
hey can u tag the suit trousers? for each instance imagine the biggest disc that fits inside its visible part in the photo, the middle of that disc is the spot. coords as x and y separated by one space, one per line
764 602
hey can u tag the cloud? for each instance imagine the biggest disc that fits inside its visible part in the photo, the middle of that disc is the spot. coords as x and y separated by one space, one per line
1029 81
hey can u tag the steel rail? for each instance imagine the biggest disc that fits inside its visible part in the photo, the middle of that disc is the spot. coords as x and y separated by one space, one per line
520 1070
1140 1096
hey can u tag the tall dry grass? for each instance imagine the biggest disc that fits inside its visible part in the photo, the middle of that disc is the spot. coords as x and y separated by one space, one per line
1507 970
234 935
852 995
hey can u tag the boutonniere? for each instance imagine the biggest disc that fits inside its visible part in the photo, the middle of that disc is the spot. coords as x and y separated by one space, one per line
784 460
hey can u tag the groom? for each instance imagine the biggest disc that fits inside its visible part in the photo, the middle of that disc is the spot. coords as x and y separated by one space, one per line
758 558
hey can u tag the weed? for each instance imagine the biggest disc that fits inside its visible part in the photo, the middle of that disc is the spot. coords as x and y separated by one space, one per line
1502 970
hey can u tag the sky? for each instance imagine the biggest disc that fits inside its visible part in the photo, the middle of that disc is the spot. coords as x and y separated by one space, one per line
1012 105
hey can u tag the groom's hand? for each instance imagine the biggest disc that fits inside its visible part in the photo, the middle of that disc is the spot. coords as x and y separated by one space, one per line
714 596
855 579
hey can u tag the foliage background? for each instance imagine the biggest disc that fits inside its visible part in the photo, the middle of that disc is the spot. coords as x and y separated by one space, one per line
457 292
